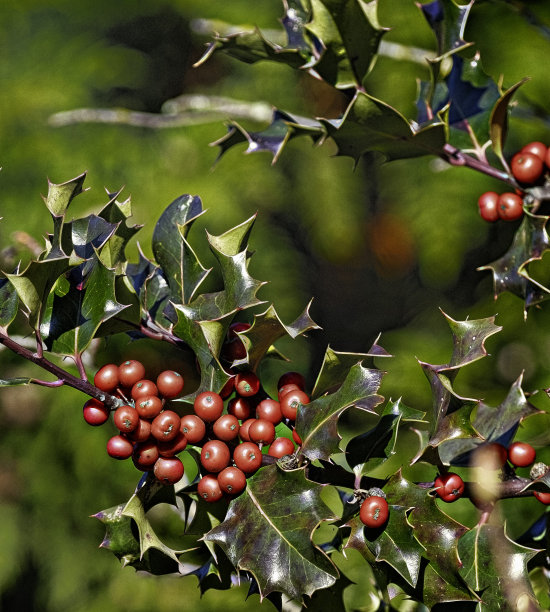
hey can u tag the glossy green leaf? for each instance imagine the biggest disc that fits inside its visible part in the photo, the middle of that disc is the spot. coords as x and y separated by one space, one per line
336 366
496 567
436 590
510 272
9 302
395 544
178 261
85 236
498 121
119 536
71 320
267 531
372 125
350 34
60 195
317 422
448 22
372 448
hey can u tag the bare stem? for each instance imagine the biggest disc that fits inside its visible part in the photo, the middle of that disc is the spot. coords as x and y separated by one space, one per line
456 157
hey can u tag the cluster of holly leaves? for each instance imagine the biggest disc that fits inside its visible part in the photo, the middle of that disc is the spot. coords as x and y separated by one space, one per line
459 109
82 287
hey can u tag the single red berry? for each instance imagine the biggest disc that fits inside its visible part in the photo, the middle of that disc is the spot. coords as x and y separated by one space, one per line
261 431
235 328
521 454
232 480
143 388
145 455
527 167
148 406
243 430
119 447
510 206
536 148
247 384
488 206
269 410
168 470
130 372
126 419
374 511
296 437
291 401
208 406
239 407
233 350
542 497
95 412
193 428
449 487
209 488
215 455
106 378
292 378
281 447
141 432
247 457
170 384
166 426
226 428
286 389
172 447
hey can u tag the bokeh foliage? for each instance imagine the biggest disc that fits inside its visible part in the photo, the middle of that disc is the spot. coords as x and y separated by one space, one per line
394 242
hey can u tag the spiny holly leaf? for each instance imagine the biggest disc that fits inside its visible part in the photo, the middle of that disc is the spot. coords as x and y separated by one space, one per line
60 195
468 346
283 128
34 284
86 236
498 121
317 422
372 448
117 213
72 318
178 261
436 590
448 21
9 303
495 424
266 329
119 536
496 567
395 544
434 530
336 366
510 271
267 531
372 125
350 35
129 318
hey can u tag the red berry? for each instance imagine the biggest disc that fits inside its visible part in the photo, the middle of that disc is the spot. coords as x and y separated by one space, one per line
144 388
521 454
172 447
510 206
226 428
126 418
119 447
291 401
232 480
296 437
286 389
247 457
374 511
228 388
527 167
239 407
488 206
106 378
536 148
235 328
292 378
261 431
170 384
148 406
247 384
166 426
449 487
542 497
141 432
215 456
95 412
130 372
168 470
269 410
281 447
243 430
209 488
145 455
208 406
193 428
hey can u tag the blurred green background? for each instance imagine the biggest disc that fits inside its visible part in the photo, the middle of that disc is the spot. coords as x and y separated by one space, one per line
379 248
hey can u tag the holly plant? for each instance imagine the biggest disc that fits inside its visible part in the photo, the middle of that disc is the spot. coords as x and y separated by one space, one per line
268 486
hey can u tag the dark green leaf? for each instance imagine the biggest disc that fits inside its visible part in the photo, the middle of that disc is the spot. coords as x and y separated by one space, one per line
60 195
173 253
395 544
448 21
495 566
267 531
372 125
9 302
88 235
438 591
317 422
498 121
119 536
350 34
510 272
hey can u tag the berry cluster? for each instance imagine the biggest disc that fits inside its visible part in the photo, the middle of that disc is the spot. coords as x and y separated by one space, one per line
148 432
528 167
